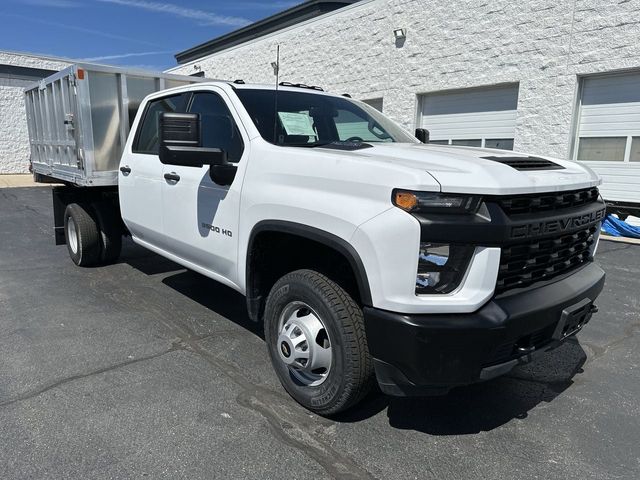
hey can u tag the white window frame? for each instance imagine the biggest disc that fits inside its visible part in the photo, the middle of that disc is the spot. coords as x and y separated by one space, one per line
577 115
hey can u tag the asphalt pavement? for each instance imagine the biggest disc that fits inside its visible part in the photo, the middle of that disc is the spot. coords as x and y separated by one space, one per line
145 370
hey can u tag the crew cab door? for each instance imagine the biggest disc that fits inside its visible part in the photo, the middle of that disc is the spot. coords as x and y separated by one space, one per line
201 217
141 173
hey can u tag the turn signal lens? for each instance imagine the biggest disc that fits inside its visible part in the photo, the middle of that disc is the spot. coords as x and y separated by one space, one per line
405 200
431 202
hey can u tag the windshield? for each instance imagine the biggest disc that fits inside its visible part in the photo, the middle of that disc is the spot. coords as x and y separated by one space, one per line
307 119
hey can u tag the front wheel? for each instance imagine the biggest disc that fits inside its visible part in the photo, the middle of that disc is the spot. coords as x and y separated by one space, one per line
316 340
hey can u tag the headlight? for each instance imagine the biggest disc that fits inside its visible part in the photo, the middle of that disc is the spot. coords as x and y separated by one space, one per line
430 202
441 267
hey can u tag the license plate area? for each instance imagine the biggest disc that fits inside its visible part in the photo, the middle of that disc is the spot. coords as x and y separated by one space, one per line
573 318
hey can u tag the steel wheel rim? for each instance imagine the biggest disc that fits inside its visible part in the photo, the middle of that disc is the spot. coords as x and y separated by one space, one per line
304 344
72 235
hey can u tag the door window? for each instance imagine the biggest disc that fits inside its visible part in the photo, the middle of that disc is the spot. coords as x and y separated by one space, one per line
219 130
148 137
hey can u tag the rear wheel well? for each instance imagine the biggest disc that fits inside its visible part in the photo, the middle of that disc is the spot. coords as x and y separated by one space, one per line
106 197
273 254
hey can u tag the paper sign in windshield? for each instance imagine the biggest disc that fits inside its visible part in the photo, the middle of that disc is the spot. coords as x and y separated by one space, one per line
295 123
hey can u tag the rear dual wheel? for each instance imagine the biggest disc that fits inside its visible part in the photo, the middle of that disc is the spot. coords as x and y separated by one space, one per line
317 344
93 234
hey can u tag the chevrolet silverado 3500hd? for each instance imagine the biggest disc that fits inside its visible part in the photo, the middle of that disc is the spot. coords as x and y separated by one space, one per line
366 253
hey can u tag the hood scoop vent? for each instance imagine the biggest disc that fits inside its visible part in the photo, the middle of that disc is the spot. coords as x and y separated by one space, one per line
526 163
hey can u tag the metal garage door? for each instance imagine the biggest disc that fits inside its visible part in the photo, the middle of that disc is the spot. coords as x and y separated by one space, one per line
608 133
482 117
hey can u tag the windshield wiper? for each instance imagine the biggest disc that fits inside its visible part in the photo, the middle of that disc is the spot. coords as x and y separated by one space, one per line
335 144
306 145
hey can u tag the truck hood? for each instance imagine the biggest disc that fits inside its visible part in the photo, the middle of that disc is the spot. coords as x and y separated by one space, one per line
465 170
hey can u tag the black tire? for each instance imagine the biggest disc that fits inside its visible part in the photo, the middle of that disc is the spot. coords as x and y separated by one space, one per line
108 220
351 374
83 246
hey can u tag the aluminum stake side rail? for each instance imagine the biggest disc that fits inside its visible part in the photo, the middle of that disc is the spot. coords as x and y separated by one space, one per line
79 119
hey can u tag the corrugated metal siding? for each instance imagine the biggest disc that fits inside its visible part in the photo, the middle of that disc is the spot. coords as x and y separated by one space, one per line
621 181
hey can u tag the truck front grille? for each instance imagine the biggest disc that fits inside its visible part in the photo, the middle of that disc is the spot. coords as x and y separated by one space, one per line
524 264
548 201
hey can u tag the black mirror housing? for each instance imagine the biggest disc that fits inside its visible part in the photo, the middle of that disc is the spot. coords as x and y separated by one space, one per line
223 174
181 140
422 134
191 156
180 129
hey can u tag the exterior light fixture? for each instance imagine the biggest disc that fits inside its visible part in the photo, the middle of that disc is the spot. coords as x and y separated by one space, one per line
400 33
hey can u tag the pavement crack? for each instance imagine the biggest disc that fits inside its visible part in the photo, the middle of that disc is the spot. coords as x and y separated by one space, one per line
598 351
295 429
288 423
58 383
302 438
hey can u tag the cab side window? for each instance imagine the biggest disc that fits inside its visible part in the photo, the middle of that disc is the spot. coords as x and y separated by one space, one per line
218 128
148 138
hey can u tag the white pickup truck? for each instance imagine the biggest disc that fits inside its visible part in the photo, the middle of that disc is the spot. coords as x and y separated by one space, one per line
367 254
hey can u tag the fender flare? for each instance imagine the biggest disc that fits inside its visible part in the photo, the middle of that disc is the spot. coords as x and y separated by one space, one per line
321 236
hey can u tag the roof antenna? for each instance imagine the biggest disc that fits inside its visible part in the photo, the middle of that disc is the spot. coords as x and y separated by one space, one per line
276 71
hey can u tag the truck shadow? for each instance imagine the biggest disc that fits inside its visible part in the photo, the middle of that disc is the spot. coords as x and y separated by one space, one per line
464 411
210 294
216 297
484 406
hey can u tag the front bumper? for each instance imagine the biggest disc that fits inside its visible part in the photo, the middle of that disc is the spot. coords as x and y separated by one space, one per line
429 354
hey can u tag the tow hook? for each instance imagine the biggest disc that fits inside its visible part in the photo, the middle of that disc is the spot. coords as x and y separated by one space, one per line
525 350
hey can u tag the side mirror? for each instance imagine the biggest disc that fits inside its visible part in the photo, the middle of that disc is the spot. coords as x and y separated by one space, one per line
181 140
422 134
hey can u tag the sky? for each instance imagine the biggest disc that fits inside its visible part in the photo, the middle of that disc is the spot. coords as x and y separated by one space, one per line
138 33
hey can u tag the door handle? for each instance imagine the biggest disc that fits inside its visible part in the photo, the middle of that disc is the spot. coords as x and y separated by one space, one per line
126 169
174 177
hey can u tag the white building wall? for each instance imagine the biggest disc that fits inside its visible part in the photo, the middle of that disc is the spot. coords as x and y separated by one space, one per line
542 44
14 136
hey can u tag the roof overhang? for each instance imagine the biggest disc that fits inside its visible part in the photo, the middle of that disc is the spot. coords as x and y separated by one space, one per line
279 21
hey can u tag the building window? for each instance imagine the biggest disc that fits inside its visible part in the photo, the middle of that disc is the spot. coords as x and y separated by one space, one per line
635 150
376 103
477 117
608 123
501 143
608 149
468 142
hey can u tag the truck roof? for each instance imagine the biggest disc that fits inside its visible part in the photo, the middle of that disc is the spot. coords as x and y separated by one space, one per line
284 86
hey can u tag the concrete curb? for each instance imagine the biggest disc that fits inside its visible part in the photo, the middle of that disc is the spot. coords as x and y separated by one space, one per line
20 180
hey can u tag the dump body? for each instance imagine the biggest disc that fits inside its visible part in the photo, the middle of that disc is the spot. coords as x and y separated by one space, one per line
79 119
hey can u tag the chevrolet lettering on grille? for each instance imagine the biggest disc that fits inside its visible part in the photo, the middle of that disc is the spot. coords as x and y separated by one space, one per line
556 226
